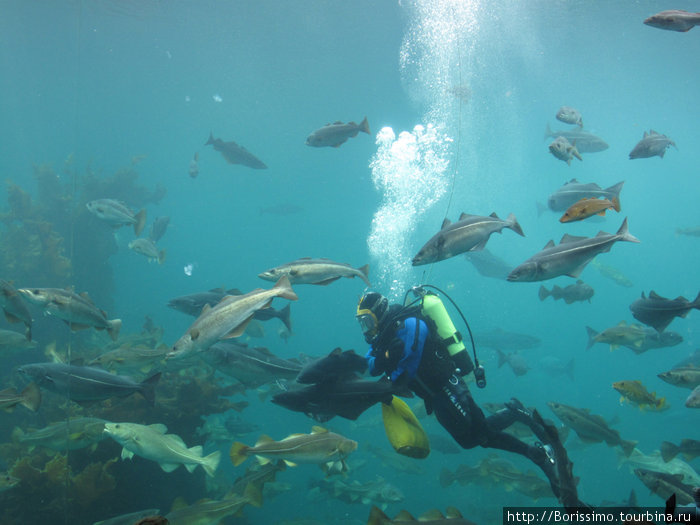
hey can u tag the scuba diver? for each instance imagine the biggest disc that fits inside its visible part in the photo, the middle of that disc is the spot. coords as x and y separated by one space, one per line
417 346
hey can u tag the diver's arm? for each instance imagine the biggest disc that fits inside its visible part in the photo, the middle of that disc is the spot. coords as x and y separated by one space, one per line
376 368
412 350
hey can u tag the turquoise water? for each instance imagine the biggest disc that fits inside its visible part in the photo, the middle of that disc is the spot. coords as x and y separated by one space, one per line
103 82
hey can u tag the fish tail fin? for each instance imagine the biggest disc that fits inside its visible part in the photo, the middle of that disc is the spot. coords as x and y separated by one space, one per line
161 257
254 494
543 293
364 274
514 225
624 233
113 328
364 126
377 517
285 317
502 358
548 132
627 446
148 388
660 404
616 189
140 222
17 435
210 140
591 337
211 462
31 397
446 478
284 289
616 204
238 453
696 302
668 451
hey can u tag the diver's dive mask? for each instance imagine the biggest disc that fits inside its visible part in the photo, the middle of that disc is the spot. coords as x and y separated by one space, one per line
368 323
370 310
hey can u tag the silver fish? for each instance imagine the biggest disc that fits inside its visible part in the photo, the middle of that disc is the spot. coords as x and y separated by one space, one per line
116 214
235 154
315 271
333 135
569 257
158 228
573 191
78 311
585 142
14 308
674 20
652 144
569 115
73 434
564 150
469 233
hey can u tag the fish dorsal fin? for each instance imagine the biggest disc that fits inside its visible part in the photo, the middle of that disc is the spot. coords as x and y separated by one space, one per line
445 223
264 440
179 503
85 296
205 309
318 430
159 427
453 513
653 295
217 290
234 291
431 515
404 515
570 238
337 122
336 351
573 181
652 132
646 134
550 244
463 216
622 323
494 215
292 436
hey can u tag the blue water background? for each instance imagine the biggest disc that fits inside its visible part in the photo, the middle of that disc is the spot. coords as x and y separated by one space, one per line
106 81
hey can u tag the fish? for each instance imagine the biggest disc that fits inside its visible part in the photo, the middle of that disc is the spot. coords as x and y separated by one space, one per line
117 214
208 512
147 248
612 273
585 142
235 154
590 428
252 366
555 366
78 311
692 231
11 340
691 360
652 144
333 135
469 233
85 383
573 191
72 434
377 492
395 462
30 398
658 312
220 430
315 271
14 308
688 448
347 398
131 358
569 115
463 474
674 20
515 361
635 392
7 482
684 377
570 257
502 339
571 293
339 364
154 443
622 334
693 400
655 462
489 265
128 519
228 318
564 150
193 169
321 447
158 228
665 485
588 207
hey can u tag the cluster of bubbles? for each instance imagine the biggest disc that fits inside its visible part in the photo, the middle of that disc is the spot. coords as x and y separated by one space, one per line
410 172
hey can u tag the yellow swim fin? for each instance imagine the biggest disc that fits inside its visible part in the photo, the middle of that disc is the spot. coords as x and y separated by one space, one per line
404 431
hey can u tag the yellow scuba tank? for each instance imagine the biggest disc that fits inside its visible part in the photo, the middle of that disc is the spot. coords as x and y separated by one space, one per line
403 429
433 308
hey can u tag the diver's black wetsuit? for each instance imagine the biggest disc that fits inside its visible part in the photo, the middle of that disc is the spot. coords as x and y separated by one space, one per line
400 351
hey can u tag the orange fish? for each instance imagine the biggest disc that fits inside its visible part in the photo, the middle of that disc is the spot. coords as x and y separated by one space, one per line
587 207
635 392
